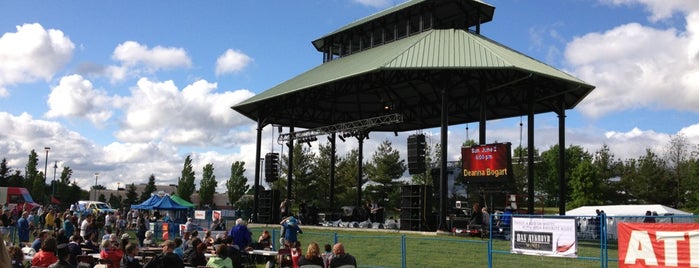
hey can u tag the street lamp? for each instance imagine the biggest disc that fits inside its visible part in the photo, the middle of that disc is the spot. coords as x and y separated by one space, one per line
94 188
46 161
53 183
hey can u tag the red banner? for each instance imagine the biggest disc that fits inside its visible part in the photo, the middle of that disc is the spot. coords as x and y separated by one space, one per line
658 244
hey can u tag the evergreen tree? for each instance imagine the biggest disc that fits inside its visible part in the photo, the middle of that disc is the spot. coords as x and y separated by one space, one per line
185 184
115 201
237 183
384 169
207 186
321 171
149 189
35 178
4 173
302 177
346 178
131 195
585 185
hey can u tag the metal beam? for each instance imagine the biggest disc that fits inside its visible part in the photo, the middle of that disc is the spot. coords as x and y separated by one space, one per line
358 126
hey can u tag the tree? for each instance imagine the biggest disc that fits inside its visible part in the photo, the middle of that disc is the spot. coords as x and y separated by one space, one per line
4 173
609 170
185 184
131 195
35 179
237 183
346 178
645 180
321 171
432 156
302 179
677 155
66 174
207 186
114 201
585 185
384 169
149 189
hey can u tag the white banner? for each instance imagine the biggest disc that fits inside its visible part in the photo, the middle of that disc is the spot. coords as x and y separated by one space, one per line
544 236
200 214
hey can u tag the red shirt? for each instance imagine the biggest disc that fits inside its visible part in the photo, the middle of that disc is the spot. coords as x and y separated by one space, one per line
44 258
113 255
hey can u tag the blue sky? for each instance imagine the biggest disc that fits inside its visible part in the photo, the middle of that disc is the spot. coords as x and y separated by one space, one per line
130 88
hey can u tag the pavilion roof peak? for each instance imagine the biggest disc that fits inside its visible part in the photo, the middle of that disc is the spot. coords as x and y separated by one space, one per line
403 20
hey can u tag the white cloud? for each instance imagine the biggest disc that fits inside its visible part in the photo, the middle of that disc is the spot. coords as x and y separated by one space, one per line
232 61
378 3
32 53
194 116
75 97
635 66
659 9
136 58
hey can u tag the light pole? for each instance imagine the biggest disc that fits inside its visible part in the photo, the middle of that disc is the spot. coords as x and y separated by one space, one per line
46 161
94 188
53 183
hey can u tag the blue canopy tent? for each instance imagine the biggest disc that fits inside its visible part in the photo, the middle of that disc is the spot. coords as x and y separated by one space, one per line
166 203
148 204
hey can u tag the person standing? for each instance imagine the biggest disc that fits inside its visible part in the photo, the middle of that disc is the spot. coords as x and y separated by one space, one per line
242 237
291 229
23 228
142 227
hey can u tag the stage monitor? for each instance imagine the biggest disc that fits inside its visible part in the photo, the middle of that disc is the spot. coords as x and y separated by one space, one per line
489 163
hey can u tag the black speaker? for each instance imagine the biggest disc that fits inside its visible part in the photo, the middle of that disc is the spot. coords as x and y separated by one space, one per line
271 167
268 211
416 208
416 154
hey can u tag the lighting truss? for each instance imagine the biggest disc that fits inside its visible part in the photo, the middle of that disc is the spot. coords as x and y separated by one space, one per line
352 128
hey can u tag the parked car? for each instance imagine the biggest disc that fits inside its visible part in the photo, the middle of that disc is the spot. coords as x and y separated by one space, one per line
94 207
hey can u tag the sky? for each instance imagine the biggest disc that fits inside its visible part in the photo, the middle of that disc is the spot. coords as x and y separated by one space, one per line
130 88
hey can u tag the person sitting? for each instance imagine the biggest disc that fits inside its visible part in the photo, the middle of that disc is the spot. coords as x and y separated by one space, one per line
264 241
296 253
167 259
47 254
476 215
38 241
312 256
197 257
74 249
179 248
90 244
16 255
63 257
148 240
208 238
341 258
129 260
112 252
221 259
327 255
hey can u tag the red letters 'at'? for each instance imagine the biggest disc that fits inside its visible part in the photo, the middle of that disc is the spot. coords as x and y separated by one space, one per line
658 244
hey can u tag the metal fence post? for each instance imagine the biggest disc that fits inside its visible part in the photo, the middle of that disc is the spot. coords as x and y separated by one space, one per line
335 240
490 241
603 240
403 252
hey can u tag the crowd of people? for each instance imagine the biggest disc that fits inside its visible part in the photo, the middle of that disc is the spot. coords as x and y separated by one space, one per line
60 237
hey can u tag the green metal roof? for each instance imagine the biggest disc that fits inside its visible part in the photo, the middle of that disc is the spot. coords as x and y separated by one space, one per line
445 14
434 49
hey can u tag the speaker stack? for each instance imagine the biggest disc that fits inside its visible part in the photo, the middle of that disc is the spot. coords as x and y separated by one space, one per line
268 211
416 208
416 154
271 167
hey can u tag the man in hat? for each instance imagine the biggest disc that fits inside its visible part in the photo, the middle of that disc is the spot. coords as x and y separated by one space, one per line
36 245
168 259
291 229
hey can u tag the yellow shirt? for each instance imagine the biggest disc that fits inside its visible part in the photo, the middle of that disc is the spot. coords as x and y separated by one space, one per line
49 219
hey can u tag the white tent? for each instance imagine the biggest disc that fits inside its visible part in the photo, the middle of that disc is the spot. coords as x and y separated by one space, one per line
623 213
625 210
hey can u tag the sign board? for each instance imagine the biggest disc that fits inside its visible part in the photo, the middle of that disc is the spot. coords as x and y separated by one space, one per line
544 236
491 163
200 214
658 244
216 215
